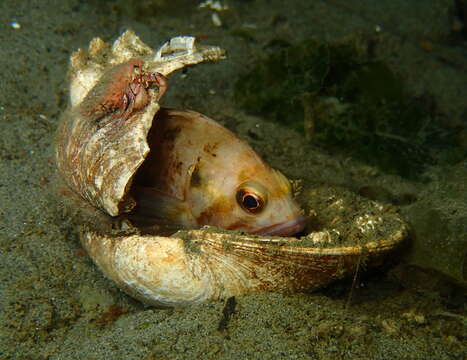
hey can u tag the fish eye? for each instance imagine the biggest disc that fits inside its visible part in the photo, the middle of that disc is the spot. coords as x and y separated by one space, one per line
250 200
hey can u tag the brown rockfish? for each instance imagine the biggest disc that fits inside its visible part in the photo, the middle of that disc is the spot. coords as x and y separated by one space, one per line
199 173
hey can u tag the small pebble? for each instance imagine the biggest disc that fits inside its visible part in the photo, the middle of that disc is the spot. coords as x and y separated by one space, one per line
216 20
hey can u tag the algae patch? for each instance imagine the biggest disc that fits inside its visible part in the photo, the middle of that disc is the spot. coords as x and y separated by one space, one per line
345 99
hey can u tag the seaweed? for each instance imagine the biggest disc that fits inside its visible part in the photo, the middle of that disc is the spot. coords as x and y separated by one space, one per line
344 99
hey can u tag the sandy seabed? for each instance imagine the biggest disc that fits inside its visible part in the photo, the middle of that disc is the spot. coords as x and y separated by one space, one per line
55 303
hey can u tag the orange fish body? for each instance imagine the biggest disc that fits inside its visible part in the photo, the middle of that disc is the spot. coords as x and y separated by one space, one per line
199 173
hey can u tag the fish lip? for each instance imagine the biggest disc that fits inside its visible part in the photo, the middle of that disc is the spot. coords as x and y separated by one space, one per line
286 228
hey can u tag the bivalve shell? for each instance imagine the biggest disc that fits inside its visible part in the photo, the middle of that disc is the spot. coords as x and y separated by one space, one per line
98 156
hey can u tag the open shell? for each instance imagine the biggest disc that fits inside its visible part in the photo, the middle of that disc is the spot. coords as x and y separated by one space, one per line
98 163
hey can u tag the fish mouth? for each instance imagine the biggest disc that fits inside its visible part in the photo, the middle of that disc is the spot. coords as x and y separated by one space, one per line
286 228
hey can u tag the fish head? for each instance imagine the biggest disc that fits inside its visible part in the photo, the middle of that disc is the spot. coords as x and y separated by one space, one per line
266 206
241 192
200 173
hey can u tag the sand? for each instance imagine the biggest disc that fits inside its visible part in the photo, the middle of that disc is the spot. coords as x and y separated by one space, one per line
55 303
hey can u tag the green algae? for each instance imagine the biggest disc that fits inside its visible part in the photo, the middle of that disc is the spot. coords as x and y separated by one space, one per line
343 98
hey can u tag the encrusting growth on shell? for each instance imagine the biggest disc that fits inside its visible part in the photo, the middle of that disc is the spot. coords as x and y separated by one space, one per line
101 144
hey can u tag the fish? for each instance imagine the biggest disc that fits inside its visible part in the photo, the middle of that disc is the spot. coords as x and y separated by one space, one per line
200 173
